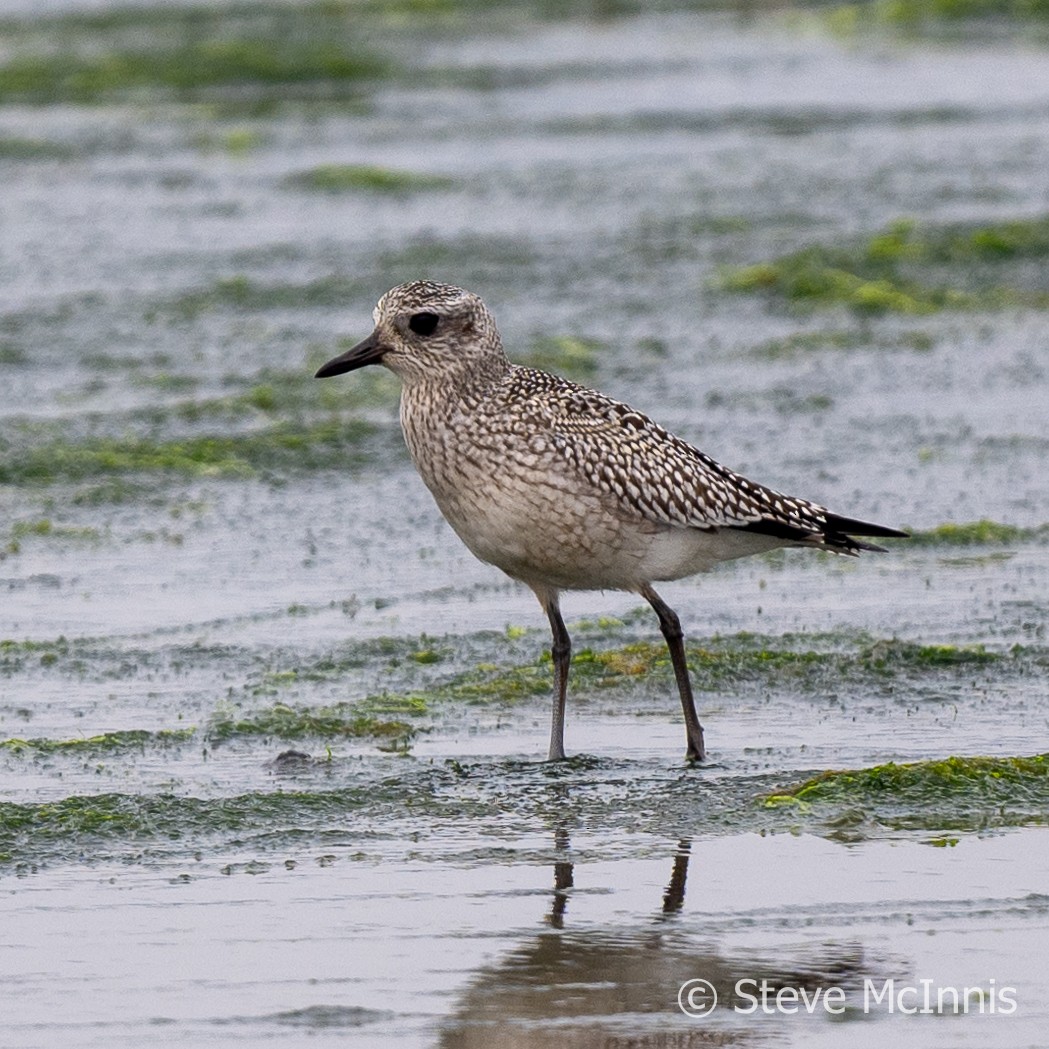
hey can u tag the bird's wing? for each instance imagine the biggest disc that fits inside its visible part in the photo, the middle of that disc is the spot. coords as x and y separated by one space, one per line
656 476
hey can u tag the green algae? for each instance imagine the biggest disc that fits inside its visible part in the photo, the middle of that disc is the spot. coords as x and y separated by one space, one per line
428 655
241 293
12 356
716 665
109 492
483 684
933 801
58 830
144 828
279 393
984 532
568 355
934 778
251 56
342 178
799 344
325 444
781 399
104 743
493 792
183 72
746 658
910 800
886 656
281 721
275 395
418 684
15 656
490 684
395 703
165 382
81 659
889 272
917 16
45 528
186 54
968 794
29 149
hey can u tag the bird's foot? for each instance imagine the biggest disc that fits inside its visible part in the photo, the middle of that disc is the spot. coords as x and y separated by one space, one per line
696 752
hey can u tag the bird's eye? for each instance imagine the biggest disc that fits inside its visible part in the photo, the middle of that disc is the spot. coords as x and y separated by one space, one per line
423 323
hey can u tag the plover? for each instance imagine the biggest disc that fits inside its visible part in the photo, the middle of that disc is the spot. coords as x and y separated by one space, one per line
564 488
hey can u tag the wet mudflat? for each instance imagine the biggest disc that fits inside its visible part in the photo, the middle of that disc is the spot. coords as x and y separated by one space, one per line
271 740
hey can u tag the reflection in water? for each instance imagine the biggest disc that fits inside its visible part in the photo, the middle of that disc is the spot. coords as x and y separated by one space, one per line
600 988
562 880
674 897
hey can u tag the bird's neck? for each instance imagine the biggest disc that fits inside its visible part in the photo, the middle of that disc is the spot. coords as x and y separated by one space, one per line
456 388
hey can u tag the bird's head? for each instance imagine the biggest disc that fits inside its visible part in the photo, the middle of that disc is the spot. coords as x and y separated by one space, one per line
427 332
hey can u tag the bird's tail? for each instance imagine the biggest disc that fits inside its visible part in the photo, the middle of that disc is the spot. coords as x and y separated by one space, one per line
839 531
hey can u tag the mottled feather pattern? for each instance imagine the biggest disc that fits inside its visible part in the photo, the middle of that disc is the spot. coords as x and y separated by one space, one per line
651 473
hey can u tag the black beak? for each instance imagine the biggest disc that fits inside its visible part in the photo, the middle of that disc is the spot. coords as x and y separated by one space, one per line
368 352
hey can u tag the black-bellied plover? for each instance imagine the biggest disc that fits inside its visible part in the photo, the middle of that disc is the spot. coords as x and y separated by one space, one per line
564 488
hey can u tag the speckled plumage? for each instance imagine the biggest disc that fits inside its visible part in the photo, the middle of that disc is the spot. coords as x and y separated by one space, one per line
562 487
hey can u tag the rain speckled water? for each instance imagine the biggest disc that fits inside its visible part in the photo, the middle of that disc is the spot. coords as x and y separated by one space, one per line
271 740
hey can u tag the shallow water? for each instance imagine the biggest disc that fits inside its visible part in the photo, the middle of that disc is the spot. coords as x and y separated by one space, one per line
165 284
408 949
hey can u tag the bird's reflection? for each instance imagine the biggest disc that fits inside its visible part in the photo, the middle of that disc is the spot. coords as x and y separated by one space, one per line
674 896
577 985
564 879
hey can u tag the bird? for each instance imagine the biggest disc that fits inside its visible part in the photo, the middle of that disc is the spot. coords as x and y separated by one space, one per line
564 488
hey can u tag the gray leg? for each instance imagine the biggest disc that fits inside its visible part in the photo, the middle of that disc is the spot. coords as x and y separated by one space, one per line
670 625
561 652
